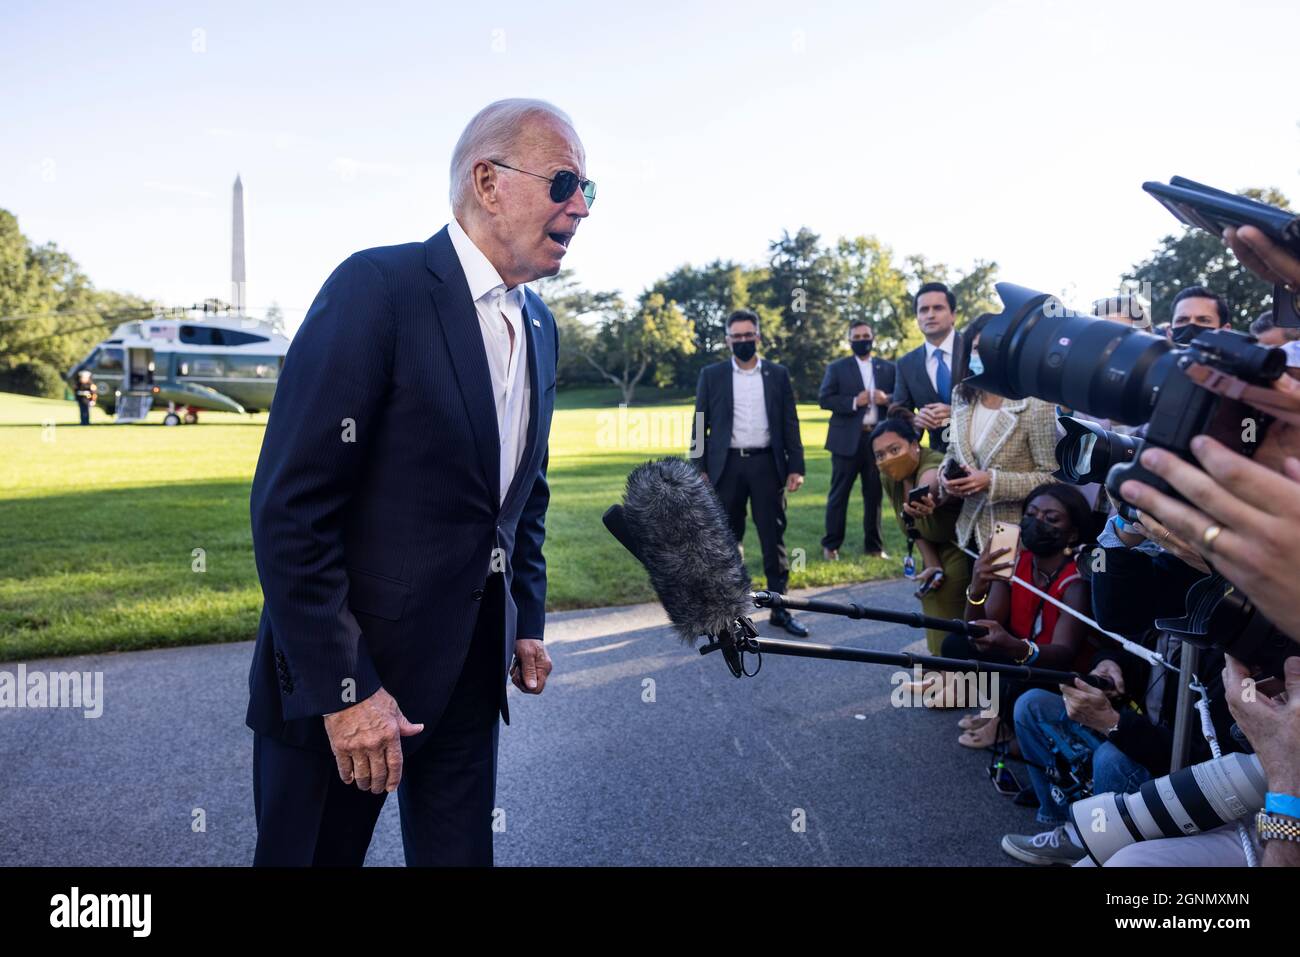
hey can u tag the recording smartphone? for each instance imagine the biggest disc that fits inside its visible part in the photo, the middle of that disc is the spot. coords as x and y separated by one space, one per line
955 470
918 493
1005 536
1214 210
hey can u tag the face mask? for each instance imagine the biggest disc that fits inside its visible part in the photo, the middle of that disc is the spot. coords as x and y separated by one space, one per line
900 466
1183 335
744 351
861 347
1040 538
975 365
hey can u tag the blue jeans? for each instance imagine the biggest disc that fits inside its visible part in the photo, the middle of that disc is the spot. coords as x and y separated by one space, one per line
1112 770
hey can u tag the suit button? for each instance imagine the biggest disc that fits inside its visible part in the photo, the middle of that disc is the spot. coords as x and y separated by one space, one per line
477 594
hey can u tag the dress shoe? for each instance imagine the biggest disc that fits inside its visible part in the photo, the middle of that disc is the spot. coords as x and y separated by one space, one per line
831 554
791 625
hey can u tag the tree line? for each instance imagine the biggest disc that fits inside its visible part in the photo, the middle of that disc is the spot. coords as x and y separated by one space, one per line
805 294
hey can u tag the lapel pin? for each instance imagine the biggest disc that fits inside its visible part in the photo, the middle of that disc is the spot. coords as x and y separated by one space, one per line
537 324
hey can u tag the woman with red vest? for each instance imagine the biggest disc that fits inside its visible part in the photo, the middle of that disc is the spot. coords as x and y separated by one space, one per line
1024 628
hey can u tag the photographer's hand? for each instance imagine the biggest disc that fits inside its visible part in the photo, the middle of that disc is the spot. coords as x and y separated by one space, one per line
1255 510
1263 257
1272 726
1089 706
1153 531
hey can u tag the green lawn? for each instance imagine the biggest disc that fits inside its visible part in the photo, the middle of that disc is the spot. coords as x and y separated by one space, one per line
100 524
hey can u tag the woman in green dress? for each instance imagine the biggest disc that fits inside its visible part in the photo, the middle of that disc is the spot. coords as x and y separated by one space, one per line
904 465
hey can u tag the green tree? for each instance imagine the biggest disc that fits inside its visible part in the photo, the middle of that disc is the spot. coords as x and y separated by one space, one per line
577 312
630 342
802 328
50 315
706 296
870 286
1194 257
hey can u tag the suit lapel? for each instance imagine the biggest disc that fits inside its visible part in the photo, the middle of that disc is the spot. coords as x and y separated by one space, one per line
458 322
769 395
1003 426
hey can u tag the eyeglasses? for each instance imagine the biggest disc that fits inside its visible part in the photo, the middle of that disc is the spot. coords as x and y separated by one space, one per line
563 184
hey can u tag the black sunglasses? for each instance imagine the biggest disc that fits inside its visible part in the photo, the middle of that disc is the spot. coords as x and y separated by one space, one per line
563 184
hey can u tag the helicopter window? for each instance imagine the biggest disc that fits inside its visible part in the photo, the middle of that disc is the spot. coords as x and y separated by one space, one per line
215 336
203 367
253 367
109 360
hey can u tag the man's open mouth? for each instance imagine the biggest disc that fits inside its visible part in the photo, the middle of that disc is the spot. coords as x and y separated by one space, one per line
561 238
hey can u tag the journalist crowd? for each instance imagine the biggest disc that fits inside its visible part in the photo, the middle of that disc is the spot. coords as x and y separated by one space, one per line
1168 595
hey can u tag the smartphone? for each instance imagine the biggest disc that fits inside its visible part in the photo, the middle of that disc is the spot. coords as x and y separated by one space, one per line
1005 536
955 470
1214 210
918 493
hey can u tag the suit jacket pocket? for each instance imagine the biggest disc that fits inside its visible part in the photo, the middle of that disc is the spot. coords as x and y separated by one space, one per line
377 595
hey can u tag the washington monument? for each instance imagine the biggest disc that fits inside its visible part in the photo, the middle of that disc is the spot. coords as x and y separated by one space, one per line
237 277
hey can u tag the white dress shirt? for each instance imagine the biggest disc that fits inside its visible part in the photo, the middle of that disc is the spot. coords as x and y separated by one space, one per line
869 383
932 364
749 428
500 310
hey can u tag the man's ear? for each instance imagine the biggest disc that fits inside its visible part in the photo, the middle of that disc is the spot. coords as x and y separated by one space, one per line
484 177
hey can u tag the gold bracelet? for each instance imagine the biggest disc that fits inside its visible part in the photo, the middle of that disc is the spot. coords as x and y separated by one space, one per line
973 601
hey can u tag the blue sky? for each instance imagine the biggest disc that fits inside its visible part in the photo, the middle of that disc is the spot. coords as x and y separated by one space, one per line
1018 132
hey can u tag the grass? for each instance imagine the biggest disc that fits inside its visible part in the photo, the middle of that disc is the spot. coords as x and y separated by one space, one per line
101 524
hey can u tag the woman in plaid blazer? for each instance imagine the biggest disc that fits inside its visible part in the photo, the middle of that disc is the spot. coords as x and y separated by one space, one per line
1007 446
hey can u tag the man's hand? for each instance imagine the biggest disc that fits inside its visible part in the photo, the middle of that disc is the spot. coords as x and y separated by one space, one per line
1271 725
1153 531
880 397
1110 670
1256 509
1089 706
367 742
793 481
861 399
933 416
531 666
1263 257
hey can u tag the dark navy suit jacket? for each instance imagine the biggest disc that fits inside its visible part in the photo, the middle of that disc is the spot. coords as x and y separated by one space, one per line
914 388
375 508
840 386
711 436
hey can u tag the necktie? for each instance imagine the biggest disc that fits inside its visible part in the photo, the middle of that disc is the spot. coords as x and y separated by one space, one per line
942 378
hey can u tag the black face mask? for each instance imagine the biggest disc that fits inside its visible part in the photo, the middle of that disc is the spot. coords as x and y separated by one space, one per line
861 347
1183 335
1040 538
744 351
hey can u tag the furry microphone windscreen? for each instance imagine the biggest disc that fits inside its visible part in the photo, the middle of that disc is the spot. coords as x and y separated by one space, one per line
687 547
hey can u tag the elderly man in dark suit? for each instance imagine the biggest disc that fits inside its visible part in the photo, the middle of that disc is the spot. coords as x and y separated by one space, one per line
747 442
925 373
398 514
855 390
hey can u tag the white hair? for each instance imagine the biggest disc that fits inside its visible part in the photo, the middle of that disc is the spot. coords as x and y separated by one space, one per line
490 135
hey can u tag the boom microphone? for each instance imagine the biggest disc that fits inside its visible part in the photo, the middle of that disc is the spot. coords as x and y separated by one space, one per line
672 521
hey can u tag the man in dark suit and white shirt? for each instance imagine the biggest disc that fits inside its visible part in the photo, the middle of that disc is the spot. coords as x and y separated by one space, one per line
925 373
856 391
398 514
747 442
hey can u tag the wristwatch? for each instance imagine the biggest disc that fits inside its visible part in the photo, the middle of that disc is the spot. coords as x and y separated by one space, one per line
1277 827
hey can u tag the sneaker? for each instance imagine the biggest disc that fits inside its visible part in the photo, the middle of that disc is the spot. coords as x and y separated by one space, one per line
1054 847
830 554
